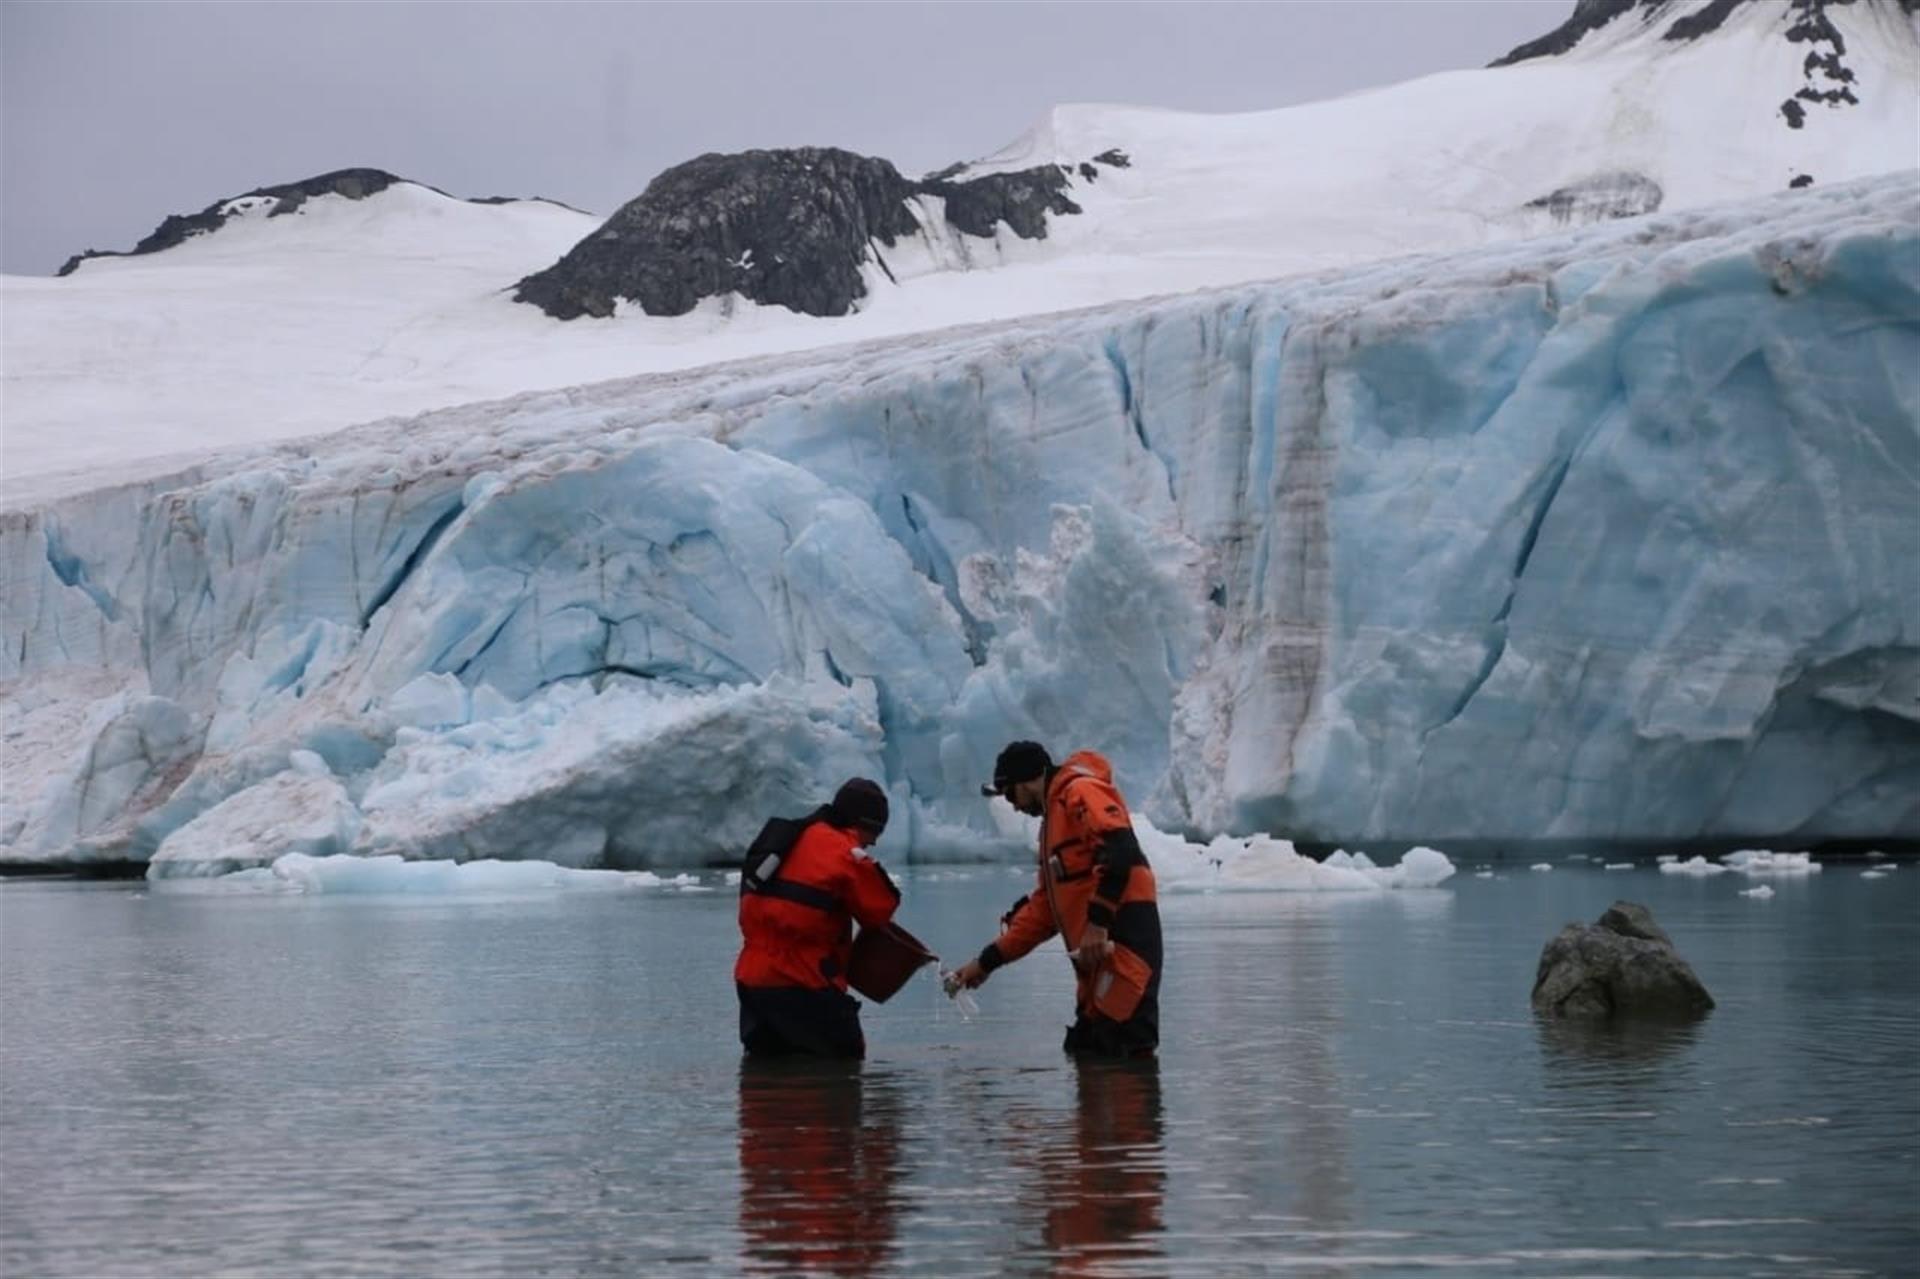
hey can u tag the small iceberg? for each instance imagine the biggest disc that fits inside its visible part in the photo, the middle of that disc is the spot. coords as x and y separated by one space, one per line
1263 863
1698 867
344 873
1752 862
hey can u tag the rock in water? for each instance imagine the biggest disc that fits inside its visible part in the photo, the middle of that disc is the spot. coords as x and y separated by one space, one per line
1631 919
1622 965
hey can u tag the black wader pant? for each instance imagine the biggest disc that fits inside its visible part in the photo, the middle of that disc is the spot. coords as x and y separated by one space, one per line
796 1021
1137 927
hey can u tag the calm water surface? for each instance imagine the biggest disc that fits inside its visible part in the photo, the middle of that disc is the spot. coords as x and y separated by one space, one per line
551 1085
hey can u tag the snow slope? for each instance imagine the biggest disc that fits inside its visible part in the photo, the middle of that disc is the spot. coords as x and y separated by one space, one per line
1606 535
349 311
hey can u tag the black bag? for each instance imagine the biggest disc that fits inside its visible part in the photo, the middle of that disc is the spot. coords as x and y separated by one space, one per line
770 848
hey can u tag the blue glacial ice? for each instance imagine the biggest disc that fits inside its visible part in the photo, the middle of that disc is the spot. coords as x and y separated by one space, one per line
1607 536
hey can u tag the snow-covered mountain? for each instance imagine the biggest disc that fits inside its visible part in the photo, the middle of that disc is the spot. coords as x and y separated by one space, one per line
1601 534
346 310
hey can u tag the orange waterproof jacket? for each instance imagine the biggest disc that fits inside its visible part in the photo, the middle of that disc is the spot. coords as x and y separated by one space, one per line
799 931
1088 849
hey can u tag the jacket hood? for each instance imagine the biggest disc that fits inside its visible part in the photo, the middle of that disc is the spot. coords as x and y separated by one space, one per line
1083 762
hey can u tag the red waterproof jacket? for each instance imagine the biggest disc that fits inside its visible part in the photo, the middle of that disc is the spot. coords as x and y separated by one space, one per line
799 930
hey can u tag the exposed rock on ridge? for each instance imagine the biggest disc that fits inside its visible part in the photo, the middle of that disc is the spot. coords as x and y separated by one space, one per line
1602 196
1591 15
354 184
1588 16
791 227
1829 81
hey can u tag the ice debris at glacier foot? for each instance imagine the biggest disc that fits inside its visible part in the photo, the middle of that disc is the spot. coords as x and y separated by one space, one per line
1752 862
342 873
1603 536
1260 864
1263 863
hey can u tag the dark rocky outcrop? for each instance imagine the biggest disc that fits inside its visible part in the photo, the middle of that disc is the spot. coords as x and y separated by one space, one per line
1703 21
1022 200
1591 15
1600 197
1588 16
1813 27
354 184
1621 966
792 228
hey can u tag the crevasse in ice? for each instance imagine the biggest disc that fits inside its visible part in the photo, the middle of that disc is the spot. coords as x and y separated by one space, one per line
1611 535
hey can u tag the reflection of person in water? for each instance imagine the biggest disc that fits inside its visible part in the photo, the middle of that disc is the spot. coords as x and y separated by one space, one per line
1106 1188
819 1155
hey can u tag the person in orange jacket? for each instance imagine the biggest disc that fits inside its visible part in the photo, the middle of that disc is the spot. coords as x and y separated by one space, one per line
1095 889
796 928
1105 1178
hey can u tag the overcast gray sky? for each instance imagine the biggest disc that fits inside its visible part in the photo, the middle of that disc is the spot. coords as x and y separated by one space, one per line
113 115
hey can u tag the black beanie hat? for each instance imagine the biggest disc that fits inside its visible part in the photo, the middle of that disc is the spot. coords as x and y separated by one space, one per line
859 802
1019 762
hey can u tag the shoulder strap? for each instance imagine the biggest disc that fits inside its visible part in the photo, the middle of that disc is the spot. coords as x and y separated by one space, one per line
1046 881
766 856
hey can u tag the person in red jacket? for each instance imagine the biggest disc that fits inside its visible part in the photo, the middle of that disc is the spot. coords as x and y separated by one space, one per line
797 931
821 1162
1095 889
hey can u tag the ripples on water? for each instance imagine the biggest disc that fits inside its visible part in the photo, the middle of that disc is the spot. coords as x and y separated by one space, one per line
1349 1086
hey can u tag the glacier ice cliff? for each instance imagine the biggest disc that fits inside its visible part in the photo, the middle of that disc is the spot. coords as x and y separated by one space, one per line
1613 535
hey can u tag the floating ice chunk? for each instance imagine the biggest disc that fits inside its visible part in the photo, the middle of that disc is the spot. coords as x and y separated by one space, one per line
1761 893
1541 866
1423 867
1619 866
1354 861
1666 858
344 873
1483 874
1698 866
1263 863
1758 862
1873 874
